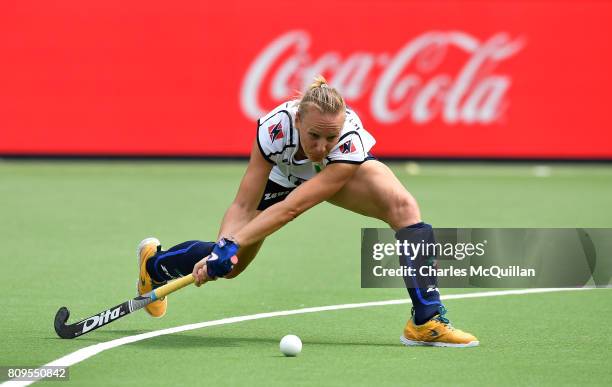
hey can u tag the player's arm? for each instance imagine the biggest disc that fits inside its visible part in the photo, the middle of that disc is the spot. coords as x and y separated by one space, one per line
239 213
244 206
320 188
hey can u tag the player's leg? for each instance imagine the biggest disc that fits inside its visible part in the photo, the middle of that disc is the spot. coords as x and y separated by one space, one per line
179 260
375 191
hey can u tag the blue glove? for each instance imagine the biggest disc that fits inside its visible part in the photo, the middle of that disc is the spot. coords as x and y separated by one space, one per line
220 262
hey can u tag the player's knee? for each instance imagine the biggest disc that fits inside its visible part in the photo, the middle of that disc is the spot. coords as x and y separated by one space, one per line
403 211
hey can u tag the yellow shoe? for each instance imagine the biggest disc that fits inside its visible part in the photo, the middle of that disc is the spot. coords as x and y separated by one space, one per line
437 332
147 249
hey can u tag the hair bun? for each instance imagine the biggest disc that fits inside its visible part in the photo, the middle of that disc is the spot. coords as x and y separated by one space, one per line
324 97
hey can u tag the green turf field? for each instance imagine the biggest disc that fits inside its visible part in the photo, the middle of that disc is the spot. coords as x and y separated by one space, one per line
69 232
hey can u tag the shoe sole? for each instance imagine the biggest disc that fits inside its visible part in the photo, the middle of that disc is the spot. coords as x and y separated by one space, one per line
412 343
142 244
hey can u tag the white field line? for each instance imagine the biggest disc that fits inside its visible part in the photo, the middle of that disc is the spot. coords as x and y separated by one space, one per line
87 352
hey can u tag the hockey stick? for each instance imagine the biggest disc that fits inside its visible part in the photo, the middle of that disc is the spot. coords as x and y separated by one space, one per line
96 321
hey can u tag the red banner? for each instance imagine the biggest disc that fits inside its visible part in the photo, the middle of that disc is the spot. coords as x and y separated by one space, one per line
428 79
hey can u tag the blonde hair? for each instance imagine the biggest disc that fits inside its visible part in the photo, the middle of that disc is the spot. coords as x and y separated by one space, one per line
320 95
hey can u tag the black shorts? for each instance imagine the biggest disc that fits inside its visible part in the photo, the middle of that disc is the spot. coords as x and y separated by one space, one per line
274 193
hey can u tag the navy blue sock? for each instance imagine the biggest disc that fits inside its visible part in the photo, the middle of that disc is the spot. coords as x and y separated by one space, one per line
423 290
178 261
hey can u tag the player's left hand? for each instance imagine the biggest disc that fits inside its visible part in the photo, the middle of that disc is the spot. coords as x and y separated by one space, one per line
200 274
219 263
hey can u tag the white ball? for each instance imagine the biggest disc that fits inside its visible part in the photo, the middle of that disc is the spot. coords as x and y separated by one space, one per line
291 345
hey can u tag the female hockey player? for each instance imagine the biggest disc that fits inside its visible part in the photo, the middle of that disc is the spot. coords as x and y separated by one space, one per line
307 151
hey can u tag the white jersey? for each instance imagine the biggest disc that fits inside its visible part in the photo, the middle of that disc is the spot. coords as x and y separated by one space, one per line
279 140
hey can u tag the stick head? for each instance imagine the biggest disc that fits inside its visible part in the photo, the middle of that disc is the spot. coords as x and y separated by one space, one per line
61 317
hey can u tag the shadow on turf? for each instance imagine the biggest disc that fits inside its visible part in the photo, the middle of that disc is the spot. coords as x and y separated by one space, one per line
101 336
186 341
182 341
